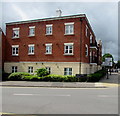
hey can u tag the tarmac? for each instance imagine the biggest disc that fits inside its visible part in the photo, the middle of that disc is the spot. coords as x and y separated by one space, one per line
112 81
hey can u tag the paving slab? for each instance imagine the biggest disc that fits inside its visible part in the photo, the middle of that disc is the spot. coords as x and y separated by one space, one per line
51 84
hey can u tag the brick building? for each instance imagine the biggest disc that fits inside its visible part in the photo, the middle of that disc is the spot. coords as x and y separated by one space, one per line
65 45
2 48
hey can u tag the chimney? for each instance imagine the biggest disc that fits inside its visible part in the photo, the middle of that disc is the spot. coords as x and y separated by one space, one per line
58 12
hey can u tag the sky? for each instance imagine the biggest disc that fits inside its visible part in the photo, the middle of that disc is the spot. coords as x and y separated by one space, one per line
102 16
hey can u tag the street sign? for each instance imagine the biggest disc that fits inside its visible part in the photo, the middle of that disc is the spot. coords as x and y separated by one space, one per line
108 62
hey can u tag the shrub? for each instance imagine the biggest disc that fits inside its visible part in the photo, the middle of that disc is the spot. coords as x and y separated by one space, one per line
18 76
96 76
70 78
81 78
31 78
59 78
5 76
42 72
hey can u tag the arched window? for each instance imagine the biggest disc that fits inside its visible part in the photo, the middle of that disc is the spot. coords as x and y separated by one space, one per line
90 38
86 50
90 56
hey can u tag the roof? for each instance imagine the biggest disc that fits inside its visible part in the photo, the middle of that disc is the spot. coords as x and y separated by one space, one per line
47 19
52 18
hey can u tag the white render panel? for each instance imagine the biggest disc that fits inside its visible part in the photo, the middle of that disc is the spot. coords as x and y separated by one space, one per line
56 67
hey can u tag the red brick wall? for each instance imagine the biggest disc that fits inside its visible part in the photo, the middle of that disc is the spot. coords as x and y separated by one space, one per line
57 39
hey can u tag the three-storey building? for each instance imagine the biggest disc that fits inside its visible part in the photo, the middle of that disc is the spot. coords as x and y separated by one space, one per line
64 45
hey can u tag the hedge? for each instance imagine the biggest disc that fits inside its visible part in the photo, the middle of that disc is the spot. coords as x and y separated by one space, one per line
18 76
96 76
5 76
22 76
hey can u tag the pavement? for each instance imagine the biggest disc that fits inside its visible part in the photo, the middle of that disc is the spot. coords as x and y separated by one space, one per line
103 83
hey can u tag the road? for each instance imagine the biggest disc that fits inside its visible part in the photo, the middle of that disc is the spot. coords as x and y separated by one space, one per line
36 100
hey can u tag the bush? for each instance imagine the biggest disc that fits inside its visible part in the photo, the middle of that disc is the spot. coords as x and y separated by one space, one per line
42 72
70 78
18 76
43 76
59 78
31 78
96 76
81 78
5 76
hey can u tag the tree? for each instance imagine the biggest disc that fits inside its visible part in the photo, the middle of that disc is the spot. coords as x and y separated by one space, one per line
107 55
42 72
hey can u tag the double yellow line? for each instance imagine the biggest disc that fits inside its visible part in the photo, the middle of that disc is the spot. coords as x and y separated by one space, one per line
111 85
3 113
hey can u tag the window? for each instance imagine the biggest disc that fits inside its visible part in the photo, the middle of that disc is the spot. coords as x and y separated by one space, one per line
30 69
86 50
69 28
48 69
68 48
48 48
15 32
14 69
90 38
49 29
67 71
87 31
90 57
15 49
32 31
31 49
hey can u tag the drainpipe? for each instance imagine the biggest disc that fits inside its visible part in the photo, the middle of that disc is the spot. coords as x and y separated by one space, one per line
80 46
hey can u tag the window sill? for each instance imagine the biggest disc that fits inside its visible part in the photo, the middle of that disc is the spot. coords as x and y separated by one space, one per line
68 54
48 53
70 34
15 55
31 36
31 54
93 63
48 34
15 37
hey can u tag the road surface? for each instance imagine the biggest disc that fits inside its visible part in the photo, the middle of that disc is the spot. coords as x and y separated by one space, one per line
37 100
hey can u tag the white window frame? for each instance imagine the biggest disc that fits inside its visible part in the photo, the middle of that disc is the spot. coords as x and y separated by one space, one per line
69 45
30 69
30 51
31 34
68 71
48 69
91 37
16 52
15 29
86 33
49 29
68 29
86 50
14 69
90 56
48 48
